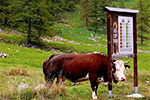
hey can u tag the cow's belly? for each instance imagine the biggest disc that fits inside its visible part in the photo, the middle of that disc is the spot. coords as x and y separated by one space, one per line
76 76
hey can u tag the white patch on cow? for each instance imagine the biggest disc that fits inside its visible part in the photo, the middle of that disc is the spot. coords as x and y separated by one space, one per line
94 95
96 52
83 78
120 70
87 76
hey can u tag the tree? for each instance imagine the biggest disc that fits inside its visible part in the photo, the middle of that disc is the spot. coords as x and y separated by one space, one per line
98 14
122 4
143 18
41 18
103 14
85 10
95 14
5 11
33 16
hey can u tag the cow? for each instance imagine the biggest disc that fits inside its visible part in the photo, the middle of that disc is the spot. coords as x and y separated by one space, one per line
82 67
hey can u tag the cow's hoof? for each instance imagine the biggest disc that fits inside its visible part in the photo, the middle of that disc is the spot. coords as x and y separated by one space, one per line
76 83
95 98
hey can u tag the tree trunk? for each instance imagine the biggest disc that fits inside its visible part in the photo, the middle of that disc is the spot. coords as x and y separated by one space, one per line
86 21
95 29
29 32
6 21
141 39
39 35
29 27
86 14
103 29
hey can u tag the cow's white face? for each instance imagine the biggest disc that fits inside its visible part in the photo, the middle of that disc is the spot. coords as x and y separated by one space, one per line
119 70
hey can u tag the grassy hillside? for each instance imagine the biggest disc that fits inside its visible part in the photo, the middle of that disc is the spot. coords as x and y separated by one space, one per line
31 60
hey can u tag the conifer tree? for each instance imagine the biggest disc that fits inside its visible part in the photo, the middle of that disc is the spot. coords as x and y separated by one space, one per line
95 14
5 11
98 14
143 19
85 10
32 16
103 14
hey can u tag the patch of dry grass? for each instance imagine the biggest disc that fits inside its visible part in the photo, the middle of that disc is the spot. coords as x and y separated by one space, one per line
17 72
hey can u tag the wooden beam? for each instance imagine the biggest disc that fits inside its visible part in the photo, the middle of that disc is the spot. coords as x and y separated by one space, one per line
135 53
109 54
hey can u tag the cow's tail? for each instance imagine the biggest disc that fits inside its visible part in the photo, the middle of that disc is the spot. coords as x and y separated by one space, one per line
45 64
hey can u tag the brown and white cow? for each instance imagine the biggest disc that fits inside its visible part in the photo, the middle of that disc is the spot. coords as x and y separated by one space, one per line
81 67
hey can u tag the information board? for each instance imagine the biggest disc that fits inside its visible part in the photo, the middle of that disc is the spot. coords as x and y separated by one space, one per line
122 40
125 30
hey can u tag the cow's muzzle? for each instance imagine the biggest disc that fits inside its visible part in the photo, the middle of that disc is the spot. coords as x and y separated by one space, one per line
123 79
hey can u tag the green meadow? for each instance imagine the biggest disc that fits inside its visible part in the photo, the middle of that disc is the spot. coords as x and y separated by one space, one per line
30 60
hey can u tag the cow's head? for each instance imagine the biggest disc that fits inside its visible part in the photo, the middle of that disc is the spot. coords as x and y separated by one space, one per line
45 64
119 70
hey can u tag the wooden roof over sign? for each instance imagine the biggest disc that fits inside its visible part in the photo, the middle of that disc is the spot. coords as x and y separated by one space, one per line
113 9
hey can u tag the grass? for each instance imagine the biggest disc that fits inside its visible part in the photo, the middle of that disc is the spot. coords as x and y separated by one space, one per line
31 60
22 57
79 35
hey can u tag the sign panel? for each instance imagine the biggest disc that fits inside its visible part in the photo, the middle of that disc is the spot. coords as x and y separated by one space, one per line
125 30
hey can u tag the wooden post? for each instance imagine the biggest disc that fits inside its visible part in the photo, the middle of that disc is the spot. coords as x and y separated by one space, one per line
109 55
135 55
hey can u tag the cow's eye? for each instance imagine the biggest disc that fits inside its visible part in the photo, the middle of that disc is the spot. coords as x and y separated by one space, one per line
117 69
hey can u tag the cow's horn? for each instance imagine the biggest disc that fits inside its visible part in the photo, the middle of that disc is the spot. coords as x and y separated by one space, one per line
127 61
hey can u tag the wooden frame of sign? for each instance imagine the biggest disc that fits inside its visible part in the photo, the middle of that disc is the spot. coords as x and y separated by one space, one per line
121 39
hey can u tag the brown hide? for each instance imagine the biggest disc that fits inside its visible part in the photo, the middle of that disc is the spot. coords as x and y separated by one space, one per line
76 66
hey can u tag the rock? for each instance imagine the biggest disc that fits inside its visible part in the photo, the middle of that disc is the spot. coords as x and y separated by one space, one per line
68 51
39 87
22 86
135 96
72 42
3 55
47 40
81 43
60 39
93 39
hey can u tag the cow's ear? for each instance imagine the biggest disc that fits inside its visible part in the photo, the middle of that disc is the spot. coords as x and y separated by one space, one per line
127 66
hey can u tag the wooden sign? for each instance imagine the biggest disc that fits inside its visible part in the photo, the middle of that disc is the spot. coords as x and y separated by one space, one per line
121 40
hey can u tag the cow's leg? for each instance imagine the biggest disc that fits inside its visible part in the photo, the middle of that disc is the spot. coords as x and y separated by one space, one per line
50 80
94 93
60 79
94 85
